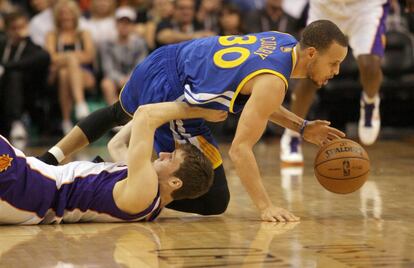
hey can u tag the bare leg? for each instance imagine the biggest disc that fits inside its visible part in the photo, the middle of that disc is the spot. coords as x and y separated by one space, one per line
73 141
88 80
65 96
370 74
76 81
109 91
371 77
302 98
88 130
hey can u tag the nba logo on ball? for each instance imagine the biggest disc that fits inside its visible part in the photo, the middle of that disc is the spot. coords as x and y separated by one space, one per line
342 166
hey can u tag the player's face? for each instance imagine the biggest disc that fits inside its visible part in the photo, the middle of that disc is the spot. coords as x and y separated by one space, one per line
168 163
325 65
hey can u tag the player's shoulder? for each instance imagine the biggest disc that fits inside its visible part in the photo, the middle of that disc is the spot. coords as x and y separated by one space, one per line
276 34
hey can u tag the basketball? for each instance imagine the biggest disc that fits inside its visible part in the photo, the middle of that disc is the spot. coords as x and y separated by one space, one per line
342 166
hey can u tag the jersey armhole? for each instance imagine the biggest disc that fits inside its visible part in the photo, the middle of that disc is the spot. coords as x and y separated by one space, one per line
250 76
122 105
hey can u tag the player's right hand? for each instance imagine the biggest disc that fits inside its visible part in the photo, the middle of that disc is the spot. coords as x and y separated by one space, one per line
274 214
320 133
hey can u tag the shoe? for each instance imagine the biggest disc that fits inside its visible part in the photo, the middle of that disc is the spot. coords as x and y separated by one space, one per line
18 131
18 135
369 120
66 126
290 147
81 110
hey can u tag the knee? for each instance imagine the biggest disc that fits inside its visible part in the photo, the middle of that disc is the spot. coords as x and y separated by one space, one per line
73 61
219 195
219 205
120 116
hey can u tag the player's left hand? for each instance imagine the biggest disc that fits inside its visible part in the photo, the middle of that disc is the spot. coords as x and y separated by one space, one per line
273 214
320 133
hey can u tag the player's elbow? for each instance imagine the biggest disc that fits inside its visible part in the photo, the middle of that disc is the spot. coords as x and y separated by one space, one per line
113 145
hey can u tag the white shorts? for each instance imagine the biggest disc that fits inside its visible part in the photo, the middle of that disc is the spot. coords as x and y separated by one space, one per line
362 21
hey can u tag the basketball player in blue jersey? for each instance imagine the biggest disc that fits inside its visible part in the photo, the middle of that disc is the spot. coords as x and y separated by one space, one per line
32 192
247 74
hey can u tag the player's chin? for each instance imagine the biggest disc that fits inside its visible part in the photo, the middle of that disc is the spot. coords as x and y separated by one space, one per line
317 83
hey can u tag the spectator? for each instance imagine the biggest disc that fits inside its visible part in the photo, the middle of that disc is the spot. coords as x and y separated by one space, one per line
182 26
231 20
72 53
38 6
142 8
248 5
21 59
161 10
271 18
120 57
5 8
102 22
208 14
43 23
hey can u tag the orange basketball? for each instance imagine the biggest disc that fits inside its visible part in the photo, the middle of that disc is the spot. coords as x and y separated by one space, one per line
342 166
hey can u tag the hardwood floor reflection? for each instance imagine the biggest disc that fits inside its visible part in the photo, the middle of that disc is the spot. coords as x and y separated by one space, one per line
369 228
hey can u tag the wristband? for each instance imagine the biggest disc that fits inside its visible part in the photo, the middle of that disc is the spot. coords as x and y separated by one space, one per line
302 128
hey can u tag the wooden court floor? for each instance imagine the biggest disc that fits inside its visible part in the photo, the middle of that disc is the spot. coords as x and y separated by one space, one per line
373 227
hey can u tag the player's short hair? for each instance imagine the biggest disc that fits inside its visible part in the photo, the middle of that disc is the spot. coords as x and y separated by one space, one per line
196 173
321 34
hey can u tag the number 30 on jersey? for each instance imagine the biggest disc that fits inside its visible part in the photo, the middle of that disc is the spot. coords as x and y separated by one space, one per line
229 42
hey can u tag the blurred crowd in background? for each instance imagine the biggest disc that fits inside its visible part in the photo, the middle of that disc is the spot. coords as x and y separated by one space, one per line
58 58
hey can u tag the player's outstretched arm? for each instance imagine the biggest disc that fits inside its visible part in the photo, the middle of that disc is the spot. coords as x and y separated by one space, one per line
142 178
267 95
317 132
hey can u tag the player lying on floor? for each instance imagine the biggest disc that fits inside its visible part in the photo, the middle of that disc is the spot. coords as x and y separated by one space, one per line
32 192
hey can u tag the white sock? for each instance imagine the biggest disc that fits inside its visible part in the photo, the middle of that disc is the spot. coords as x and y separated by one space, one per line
57 153
368 99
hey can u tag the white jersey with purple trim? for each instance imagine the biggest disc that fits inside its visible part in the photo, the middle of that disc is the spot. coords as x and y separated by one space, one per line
32 192
362 21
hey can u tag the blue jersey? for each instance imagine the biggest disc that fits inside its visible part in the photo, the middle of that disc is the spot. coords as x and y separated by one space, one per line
209 72
32 192
215 69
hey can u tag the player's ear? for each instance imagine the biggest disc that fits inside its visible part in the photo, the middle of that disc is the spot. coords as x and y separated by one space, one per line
175 183
311 52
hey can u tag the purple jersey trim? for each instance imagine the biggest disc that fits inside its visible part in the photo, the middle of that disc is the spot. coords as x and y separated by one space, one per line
379 42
